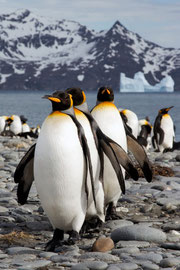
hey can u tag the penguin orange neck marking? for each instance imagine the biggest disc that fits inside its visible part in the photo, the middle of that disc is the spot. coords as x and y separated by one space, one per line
57 113
78 112
105 104
166 115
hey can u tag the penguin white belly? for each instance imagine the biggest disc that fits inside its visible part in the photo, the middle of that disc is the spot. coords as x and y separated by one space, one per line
59 173
16 126
168 128
108 118
133 124
2 124
25 128
99 192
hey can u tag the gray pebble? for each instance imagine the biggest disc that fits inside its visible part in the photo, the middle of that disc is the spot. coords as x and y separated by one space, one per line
138 232
151 256
127 266
34 265
113 267
138 244
99 256
175 246
177 158
21 250
149 266
113 224
47 255
169 262
129 250
94 265
62 258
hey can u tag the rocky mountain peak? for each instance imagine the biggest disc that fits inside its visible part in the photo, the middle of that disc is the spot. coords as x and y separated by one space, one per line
42 53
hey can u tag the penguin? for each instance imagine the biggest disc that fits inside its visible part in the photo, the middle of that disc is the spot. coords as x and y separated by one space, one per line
15 125
61 149
144 136
163 131
25 126
106 115
3 123
131 120
79 101
110 122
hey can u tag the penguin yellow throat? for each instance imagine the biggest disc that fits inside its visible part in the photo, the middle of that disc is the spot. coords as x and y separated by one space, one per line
105 104
166 115
56 114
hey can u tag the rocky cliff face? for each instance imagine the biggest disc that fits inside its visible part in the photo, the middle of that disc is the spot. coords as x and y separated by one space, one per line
42 53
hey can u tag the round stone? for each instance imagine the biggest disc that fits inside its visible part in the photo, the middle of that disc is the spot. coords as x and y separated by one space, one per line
103 244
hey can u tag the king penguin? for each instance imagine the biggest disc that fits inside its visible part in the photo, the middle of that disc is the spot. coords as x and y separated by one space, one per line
131 120
79 102
60 170
109 120
163 131
15 125
25 126
144 136
3 123
107 116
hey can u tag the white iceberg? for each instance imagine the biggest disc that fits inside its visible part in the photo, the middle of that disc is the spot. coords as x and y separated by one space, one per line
140 84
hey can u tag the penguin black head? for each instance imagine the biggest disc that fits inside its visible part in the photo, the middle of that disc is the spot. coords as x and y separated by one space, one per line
165 110
60 100
78 95
105 94
23 119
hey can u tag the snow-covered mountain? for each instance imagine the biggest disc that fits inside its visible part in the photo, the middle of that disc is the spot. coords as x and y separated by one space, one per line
44 53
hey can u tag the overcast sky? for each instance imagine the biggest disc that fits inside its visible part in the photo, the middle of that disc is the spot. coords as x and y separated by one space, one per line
155 20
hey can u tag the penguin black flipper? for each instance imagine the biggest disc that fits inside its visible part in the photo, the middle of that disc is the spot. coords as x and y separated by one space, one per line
87 155
161 136
109 152
117 157
139 154
24 175
153 141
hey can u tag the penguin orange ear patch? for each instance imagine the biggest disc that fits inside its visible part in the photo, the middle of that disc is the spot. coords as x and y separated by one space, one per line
71 99
108 91
84 96
54 99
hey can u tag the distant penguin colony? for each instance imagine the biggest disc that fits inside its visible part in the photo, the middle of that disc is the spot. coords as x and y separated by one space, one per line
16 125
80 159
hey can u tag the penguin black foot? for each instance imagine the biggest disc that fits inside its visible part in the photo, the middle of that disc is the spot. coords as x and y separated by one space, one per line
73 237
56 241
111 213
168 150
91 224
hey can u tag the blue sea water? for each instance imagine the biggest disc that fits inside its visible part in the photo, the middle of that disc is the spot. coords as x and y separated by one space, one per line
33 107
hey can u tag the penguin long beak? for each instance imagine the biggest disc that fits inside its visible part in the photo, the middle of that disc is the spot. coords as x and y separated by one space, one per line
52 98
169 108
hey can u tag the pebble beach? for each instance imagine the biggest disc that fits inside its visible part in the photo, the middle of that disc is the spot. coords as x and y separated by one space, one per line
146 235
